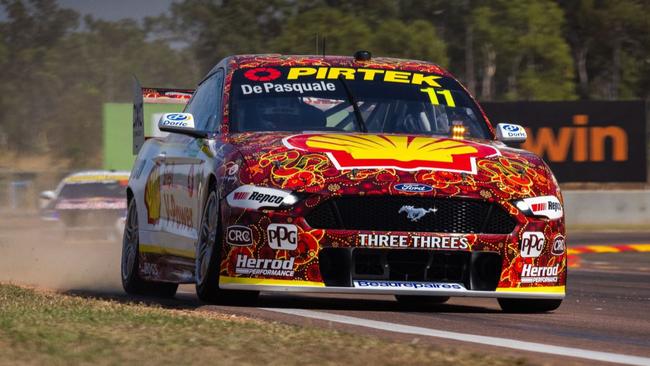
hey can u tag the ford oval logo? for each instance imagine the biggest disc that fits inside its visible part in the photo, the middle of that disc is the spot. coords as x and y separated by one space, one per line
413 187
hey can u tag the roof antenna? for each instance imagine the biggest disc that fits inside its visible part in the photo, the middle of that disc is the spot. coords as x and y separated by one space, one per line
324 43
317 44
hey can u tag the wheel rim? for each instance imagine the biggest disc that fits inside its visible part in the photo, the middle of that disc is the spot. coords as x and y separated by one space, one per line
130 243
207 239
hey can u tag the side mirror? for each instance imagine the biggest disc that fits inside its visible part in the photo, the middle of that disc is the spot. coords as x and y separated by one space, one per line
508 132
182 123
45 198
47 195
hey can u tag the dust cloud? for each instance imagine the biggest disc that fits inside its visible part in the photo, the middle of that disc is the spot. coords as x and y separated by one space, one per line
37 253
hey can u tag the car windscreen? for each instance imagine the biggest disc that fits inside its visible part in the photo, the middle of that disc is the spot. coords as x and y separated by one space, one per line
319 99
90 190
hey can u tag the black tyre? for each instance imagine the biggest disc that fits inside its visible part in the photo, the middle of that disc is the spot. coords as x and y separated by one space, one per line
421 300
529 305
208 259
131 281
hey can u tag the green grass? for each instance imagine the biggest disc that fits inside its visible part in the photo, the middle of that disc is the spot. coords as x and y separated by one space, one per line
48 328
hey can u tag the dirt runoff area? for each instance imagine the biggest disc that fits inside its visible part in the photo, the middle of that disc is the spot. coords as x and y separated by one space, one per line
37 253
46 328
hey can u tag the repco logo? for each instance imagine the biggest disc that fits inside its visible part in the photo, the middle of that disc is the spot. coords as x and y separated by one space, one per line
282 236
262 197
587 143
239 236
532 243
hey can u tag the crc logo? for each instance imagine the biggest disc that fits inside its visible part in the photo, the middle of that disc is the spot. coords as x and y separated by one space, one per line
239 236
282 236
532 243
559 245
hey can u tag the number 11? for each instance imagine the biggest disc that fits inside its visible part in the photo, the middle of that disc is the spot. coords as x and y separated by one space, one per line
433 97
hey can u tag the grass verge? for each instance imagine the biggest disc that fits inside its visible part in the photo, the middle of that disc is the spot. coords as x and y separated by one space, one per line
49 328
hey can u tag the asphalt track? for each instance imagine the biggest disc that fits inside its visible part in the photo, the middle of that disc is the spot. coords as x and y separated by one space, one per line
605 316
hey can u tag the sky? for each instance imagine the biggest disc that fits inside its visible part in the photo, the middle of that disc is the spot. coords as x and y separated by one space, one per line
114 9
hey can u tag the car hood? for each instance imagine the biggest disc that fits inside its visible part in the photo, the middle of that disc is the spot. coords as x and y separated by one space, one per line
366 163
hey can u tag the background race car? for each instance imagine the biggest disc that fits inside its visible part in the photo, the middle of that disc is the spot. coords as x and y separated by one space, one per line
89 203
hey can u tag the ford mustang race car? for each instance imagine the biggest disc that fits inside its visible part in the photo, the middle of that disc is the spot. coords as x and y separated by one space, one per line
89 203
341 175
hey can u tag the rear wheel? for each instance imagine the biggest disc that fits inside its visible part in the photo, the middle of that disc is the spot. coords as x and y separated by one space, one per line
208 259
131 280
421 300
529 305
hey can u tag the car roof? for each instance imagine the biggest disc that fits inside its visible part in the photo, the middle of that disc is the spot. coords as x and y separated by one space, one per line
257 60
90 176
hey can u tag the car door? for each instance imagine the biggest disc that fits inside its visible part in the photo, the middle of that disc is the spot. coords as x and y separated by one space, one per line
185 161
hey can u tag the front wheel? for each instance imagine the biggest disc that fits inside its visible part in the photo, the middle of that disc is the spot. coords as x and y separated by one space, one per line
208 259
529 305
131 281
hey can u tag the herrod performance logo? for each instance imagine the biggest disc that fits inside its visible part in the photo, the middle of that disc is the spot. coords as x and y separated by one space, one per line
246 265
539 274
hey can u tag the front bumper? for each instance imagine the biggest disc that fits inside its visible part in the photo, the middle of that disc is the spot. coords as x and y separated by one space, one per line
335 260
271 285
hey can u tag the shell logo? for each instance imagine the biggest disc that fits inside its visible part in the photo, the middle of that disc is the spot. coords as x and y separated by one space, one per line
367 151
152 196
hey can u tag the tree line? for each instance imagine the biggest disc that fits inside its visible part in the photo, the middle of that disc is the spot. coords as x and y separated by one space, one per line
58 67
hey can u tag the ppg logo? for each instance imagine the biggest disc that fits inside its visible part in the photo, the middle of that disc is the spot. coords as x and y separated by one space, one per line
532 244
282 236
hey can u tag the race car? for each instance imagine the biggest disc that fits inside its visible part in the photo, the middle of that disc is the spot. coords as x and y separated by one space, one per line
88 204
334 174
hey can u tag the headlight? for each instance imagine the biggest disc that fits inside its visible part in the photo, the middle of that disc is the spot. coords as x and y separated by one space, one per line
255 198
543 206
290 200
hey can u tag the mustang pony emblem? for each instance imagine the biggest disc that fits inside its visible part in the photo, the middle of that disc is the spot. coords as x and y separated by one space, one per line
415 214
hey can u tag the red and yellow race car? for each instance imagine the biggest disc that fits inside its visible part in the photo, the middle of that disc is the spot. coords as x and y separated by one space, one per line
332 174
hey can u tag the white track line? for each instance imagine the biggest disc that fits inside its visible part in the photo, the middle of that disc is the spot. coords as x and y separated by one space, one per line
472 338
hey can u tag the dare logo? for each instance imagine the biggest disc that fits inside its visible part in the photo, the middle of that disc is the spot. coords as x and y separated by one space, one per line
409 153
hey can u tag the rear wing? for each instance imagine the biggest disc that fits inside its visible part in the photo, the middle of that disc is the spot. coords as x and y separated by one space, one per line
146 95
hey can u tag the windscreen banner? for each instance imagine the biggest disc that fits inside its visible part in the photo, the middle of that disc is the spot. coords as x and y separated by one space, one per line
583 141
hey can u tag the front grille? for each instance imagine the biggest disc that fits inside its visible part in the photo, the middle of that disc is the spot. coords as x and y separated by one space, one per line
411 265
475 270
89 218
382 213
